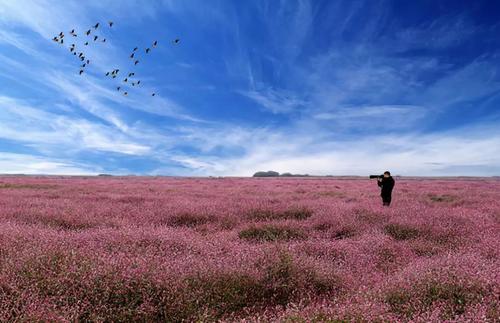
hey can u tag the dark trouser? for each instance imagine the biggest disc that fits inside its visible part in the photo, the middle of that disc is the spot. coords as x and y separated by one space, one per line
386 199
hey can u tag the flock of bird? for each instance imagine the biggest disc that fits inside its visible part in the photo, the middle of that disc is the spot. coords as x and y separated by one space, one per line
129 77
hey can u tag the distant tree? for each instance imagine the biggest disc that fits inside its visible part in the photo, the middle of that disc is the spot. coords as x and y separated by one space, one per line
269 173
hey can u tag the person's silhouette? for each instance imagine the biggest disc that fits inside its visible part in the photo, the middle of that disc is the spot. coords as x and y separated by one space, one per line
386 183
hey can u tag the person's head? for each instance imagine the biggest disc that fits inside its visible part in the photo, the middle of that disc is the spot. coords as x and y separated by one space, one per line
387 173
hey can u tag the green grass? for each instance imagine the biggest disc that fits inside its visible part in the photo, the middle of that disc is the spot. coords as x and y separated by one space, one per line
402 231
272 233
452 296
295 213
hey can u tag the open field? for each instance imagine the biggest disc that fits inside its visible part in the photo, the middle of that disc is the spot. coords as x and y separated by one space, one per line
235 249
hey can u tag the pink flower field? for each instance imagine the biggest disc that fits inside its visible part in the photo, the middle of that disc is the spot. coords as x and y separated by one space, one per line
120 249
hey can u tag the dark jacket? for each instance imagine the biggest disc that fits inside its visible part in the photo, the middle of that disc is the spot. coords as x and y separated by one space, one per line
387 184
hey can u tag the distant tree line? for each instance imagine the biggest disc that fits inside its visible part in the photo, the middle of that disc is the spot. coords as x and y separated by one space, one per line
271 173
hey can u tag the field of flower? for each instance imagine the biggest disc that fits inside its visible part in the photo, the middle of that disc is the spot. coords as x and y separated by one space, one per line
248 249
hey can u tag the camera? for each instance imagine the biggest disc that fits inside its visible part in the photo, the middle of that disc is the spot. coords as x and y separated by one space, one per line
376 176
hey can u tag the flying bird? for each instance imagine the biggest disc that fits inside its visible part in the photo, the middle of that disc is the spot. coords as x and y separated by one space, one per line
80 55
62 41
131 74
74 53
118 88
155 43
82 58
71 49
114 76
96 25
138 82
136 62
125 93
107 73
88 32
55 39
125 80
95 38
176 41
132 56
88 61
110 24
83 65
81 71
135 48
153 94
104 40
148 50
133 83
86 43
61 34
72 32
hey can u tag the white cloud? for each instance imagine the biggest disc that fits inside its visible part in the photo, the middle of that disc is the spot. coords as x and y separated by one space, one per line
276 101
11 163
465 151
37 127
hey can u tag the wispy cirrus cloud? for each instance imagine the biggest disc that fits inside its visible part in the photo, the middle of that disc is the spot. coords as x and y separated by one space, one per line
303 86
29 164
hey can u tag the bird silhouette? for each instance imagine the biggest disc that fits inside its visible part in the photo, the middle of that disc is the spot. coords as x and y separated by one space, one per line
131 74
104 40
80 55
86 43
155 43
61 34
72 32
133 83
62 41
88 61
55 39
114 76
88 32
110 24
153 94
96 25
95 38
135 48
81 71
71 49
118 88
138 82
132 55
83 65
176 41
136 62
125 93
148 50
107 73
74 53
125 80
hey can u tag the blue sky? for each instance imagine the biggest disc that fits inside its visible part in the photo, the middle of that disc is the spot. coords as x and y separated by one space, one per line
318 87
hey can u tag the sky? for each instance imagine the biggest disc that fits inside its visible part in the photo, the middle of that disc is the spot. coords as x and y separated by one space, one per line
318 87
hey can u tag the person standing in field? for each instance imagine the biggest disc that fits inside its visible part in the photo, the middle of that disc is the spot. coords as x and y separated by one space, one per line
386 183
